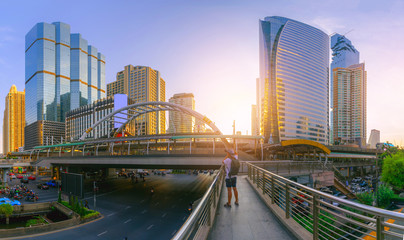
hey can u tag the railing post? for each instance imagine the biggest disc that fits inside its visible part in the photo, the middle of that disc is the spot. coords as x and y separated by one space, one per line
254 177
379 228
272 189
287 200
249 171
209 204
263 183
315 218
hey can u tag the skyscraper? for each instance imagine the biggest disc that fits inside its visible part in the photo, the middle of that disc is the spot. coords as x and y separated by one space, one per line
254 120
349 120
294 74
344 55
142 84
61 73
180 122
14 120
374 138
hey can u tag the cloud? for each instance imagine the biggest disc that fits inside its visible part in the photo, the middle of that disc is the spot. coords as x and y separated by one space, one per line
328 24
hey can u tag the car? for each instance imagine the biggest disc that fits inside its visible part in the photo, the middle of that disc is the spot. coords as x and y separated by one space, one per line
52 183
369 178
24 180
19 176
8 201
32 177
11 174
357 180
43 186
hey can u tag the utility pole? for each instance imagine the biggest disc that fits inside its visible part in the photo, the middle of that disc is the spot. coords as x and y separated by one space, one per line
95 200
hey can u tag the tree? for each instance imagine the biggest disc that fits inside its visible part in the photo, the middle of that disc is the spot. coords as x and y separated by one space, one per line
383 195
7 210
365 198
393 169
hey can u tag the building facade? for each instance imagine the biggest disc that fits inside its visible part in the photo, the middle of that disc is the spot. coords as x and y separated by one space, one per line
180 122
349 120
254 120
344 54
294 74
142 84
61 73
14 120
80 119
374 138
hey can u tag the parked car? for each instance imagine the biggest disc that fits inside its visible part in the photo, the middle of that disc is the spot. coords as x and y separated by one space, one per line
12 176
43 186
52 183
24 180
19 176
8 201
357 180
32 177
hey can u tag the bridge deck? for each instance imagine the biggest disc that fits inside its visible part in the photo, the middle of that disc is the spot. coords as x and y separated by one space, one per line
251 220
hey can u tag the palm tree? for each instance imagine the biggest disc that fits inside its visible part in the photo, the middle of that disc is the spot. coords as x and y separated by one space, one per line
7 210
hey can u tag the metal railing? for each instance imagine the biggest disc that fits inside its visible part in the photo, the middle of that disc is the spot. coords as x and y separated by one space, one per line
201 219
323 215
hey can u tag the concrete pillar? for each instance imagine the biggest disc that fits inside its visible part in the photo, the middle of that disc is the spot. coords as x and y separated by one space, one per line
4 177
52 167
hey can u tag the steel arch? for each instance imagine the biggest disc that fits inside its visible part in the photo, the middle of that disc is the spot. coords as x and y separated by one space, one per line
147 107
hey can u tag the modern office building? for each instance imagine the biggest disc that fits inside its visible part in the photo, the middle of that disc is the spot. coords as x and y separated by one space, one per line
142 84
344 54
374 138
80 119
294 74
14 120
254 121
62 72
180 122
349 112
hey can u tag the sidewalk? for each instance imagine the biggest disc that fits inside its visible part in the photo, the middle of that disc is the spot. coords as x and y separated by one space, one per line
250 220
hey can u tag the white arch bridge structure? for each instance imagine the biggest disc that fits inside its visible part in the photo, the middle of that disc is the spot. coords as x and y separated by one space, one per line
110 144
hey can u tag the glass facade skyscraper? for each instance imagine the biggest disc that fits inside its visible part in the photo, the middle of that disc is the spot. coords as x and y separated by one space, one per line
60 70
294 74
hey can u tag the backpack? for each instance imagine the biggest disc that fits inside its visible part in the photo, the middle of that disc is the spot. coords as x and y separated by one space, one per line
235 167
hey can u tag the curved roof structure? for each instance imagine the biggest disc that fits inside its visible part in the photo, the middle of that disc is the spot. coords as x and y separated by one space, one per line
298 146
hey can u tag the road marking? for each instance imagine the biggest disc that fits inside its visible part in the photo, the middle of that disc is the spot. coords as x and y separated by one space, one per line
102 233
164 215
144 211
128 207
128 220
173 232
109 215
149 227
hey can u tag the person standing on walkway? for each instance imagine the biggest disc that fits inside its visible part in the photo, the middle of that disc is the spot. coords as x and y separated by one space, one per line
231 181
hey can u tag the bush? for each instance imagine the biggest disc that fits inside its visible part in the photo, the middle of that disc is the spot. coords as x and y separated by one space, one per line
384 194
393 168
36 220
366 198
89 215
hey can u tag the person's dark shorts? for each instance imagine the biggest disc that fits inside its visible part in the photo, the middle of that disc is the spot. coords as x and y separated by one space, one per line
231 182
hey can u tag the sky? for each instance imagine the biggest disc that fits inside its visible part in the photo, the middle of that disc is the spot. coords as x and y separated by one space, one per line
210 48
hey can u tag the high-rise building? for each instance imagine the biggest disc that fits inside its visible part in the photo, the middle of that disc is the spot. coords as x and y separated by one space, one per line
349 120
374 138
14 120
61 73
142 84
344 55
180 122
80 119
294 74
254 120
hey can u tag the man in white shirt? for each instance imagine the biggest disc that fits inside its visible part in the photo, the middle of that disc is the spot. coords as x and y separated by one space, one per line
231 181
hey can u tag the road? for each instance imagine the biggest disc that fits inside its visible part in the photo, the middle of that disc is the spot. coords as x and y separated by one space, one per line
131 211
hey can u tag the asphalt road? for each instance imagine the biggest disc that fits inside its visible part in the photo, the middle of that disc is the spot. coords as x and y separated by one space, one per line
131 211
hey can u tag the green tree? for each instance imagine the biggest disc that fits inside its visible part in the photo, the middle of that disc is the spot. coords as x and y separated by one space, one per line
393 169
7 210
366 198
383 195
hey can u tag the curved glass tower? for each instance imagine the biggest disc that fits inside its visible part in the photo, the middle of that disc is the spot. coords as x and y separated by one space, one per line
294 81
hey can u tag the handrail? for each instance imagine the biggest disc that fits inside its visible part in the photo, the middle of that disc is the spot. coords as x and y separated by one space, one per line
322 214
192 228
